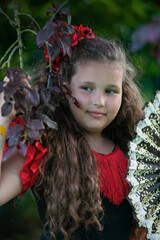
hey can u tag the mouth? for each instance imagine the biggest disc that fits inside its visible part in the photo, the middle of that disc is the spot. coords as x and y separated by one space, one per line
97 114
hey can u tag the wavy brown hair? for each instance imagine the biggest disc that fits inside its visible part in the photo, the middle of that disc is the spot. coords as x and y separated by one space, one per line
69 178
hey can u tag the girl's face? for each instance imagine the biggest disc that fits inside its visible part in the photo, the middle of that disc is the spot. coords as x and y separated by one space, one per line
97 86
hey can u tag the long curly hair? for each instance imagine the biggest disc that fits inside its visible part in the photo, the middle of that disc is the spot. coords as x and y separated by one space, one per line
69 178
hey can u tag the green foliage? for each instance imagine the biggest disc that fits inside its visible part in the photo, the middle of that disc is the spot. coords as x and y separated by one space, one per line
19 219
111 19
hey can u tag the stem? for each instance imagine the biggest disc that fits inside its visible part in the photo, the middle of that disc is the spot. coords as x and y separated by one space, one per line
52 18
11 55
7 62
9 19
4 64
17 22
48 44
7 52
50 70
28 30
28 15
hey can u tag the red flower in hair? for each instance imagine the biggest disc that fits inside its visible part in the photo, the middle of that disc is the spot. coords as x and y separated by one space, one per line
79 34
56 63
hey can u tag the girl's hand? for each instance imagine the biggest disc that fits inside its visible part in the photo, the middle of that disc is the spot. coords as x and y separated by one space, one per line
5 121
10 181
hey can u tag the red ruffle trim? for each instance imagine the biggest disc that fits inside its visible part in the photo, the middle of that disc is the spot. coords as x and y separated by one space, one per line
34 156
30 170
112 169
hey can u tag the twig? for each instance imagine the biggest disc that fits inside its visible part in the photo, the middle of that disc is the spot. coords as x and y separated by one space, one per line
9 19
7 52
9 58
4 64
28 15
11 55
18 29
47 43
50 70
29 30
52 18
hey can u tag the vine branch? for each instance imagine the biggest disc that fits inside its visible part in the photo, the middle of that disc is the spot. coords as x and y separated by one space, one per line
9 19
11 55
28 15
7 52
29 30
18 29
53 16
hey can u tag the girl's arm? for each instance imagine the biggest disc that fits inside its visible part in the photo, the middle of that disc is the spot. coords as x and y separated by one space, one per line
10 182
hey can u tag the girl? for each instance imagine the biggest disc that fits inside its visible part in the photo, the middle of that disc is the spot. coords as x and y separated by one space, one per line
81 188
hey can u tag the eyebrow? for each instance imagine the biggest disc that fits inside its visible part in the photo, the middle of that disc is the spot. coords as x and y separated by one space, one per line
86 82
113 86
92 83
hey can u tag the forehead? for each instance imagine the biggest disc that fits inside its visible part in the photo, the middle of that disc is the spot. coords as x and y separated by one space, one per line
97 72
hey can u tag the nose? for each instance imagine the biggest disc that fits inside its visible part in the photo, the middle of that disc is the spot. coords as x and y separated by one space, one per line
99 98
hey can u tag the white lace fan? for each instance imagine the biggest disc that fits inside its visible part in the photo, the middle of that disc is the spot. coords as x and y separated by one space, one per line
144 169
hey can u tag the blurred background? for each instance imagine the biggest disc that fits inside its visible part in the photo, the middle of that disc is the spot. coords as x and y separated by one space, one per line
135 23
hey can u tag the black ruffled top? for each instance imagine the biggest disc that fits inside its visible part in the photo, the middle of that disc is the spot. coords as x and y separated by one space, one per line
117 220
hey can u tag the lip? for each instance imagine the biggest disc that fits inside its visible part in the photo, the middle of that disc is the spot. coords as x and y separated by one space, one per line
96 114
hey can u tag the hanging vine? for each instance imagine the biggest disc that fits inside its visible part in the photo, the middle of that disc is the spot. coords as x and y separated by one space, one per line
30 103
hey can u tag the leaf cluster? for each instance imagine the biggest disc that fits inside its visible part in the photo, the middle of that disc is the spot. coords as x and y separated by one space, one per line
30 103
56 32
16 91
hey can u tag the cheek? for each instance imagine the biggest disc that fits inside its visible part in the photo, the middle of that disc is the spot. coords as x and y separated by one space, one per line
84 103
114 105
83 100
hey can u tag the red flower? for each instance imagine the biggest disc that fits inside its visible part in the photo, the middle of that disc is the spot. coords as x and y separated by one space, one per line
79 34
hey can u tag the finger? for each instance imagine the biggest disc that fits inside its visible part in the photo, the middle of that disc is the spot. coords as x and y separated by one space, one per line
26 82
28 77
6 79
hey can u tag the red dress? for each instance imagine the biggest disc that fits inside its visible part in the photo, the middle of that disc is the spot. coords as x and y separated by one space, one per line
112 168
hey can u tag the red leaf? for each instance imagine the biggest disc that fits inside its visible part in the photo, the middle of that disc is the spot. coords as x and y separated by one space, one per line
8 152
6 109
23 148
54 50
45 34
14 130
65 11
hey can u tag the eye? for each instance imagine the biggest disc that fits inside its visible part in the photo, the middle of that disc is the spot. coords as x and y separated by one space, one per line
87 88
110 91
